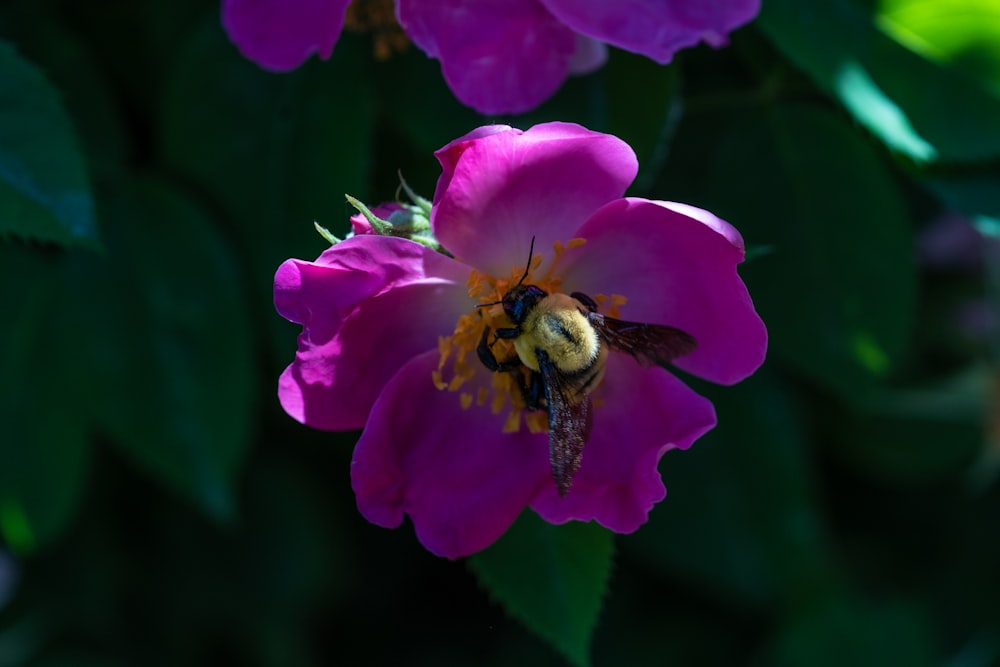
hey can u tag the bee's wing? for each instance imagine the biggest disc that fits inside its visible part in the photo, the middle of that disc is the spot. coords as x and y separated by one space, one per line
570 419
650 344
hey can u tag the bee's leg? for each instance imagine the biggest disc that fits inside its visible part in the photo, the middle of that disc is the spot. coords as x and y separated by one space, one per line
585 300
534 392
532 389
507 333
489 359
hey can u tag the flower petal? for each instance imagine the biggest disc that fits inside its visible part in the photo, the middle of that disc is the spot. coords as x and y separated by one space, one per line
280 35
590 55
501 189
367 306
642 412
654 28
676 264
459 478
498 56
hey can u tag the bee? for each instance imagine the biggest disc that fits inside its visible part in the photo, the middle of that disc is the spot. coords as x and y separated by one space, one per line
562 344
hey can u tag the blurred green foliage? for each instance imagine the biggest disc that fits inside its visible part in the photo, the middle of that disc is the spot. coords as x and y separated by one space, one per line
158 508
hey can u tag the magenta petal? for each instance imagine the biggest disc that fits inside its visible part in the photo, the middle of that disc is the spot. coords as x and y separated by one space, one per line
645 412
676 264
367 305
460 479
498 56
654 28
499 190
280 35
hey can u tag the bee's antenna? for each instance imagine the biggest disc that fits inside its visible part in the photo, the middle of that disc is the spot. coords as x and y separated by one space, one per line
531 251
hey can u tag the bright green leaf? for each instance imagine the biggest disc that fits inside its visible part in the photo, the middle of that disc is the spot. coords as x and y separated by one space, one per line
551 578
44 188
925 109
854 85
961 34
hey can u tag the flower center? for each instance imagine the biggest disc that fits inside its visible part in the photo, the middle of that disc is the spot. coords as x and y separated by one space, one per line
379 18
459 361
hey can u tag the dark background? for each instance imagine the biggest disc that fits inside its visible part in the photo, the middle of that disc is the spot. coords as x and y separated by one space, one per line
158 508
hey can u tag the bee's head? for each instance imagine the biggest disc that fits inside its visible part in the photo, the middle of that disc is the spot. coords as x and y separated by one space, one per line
520 299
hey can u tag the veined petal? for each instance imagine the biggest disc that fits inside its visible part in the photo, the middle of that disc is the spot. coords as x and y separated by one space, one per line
498 56
499 190
643 412
367 306
654 28
280 35
459 478
676 264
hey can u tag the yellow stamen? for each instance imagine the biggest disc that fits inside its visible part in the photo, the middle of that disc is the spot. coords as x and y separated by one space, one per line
438 382
538 422
615 301
513 423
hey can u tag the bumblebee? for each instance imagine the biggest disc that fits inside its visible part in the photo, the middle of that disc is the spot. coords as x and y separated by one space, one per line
562 346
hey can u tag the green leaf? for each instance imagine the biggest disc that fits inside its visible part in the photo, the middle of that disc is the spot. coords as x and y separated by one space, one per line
838 290
843 631
44 189
275 153
963 35
648 127
171 343
971 192
919 434
44 451
420 104
551 578
69 62
926 109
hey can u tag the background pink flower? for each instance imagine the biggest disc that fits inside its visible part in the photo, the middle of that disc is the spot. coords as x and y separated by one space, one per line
280 35
508 56
375 309
497 56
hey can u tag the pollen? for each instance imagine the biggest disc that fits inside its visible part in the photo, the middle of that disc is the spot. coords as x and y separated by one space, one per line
459 365
610 305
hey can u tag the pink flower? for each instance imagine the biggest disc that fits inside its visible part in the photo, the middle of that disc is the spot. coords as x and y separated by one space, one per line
390 329
509 56
280 35
497 56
